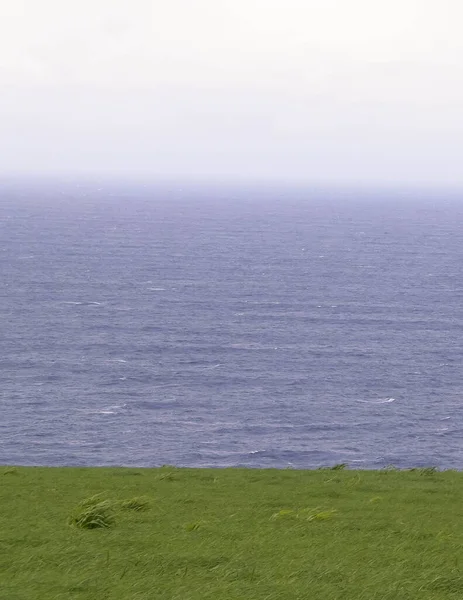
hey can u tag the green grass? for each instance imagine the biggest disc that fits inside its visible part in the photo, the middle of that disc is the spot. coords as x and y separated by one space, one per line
231 534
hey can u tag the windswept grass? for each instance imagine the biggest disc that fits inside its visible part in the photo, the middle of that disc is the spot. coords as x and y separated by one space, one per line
231 534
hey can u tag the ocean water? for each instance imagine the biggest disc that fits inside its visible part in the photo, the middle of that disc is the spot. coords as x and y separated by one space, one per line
148 327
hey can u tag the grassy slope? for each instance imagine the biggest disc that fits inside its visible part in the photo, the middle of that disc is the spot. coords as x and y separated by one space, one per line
210 534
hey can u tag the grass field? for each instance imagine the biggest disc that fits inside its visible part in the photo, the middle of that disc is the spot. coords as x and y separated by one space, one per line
181 534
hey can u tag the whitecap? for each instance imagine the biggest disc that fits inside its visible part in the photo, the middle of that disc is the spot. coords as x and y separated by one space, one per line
379 401
76 303
157 289
107 410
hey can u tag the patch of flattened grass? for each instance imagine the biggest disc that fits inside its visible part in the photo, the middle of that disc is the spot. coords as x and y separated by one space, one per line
194 525
10 471
93 513
304 514
99 512
137 503
450 584
167 476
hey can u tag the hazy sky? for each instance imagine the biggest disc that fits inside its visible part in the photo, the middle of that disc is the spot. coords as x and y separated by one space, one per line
300 90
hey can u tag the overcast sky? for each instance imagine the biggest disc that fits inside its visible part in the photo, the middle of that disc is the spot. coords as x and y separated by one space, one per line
363 91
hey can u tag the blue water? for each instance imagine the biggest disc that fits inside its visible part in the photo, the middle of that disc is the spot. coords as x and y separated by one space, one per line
219 329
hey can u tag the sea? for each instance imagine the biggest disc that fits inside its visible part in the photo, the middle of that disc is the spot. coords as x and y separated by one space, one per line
219 327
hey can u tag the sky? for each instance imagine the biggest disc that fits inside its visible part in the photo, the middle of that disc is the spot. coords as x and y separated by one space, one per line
337 91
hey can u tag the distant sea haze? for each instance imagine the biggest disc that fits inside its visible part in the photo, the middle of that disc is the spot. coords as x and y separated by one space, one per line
219 330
